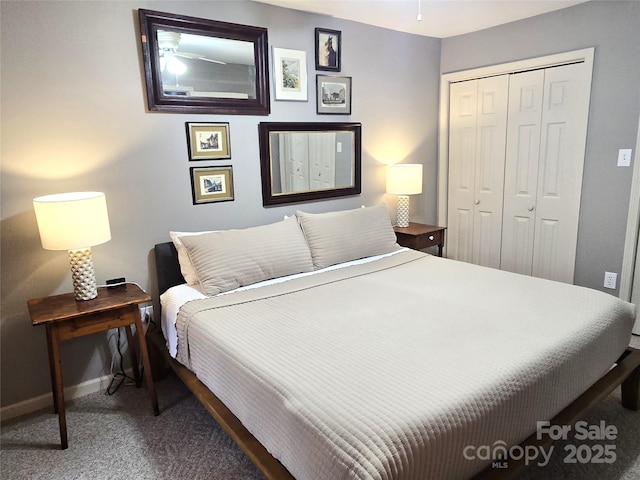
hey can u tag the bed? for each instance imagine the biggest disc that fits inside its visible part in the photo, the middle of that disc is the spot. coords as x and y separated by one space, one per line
328 351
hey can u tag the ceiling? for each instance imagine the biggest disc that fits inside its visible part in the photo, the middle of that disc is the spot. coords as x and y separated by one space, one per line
440 19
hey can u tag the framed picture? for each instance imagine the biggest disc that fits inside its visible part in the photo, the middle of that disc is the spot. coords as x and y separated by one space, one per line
333 95
328 49
290 74
208 141
211 184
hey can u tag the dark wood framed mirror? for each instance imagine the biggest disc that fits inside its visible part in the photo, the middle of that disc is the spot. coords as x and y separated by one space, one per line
301 162
196 65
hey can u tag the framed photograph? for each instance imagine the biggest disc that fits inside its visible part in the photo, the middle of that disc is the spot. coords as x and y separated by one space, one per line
290 74
207 141
333 95
211 184
328 49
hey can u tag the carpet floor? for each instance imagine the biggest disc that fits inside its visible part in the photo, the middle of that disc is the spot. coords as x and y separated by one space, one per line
117 437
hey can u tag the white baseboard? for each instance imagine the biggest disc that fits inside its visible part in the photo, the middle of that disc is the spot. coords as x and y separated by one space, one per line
44 401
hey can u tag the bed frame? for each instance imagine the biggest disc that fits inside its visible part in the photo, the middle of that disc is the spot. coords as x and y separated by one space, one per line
625 373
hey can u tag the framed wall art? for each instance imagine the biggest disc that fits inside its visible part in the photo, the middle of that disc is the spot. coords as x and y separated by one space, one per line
208 141
328 49
211 184
333 95
290 74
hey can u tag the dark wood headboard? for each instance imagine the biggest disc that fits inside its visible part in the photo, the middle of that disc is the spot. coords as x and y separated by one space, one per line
167 266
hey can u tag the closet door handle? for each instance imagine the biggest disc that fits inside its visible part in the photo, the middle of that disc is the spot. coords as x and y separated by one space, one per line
530 208
477 202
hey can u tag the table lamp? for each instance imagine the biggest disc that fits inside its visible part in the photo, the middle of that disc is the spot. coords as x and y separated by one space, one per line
404 180
75 222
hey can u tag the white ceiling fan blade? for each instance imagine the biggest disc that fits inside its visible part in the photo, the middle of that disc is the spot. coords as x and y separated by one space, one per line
187 55
195 56
211 60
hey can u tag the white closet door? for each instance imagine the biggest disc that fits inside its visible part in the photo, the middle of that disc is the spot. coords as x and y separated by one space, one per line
477 129
521 170
562 147
322 161
294 162
462 159
547 125
490 157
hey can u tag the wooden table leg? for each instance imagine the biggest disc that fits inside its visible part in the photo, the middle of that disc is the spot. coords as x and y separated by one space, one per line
134 358
146 364
631 391
52 372
58 389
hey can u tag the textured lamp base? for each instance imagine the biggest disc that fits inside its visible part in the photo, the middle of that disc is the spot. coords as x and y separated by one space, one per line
84 280
403 211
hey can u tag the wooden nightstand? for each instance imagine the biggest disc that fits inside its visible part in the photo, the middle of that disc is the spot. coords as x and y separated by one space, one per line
419 236
67 318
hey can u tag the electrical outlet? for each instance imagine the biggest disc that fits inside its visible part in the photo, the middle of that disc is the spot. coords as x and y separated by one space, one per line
146 313
624 157
610 280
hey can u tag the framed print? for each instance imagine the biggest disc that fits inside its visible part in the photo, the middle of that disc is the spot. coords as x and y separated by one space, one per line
208 141
290 74
328 49
211 184
333 95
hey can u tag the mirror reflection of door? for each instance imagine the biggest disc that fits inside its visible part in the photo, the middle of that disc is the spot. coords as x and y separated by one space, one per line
322 161
307 162
294 162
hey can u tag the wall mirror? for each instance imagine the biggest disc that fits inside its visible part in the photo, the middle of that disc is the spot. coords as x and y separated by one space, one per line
204 66
309 161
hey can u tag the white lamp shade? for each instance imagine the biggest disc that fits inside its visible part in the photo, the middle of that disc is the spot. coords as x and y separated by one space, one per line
72 221
404 179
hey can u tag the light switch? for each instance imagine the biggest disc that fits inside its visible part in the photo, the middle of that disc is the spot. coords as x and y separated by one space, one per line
624 157
339 147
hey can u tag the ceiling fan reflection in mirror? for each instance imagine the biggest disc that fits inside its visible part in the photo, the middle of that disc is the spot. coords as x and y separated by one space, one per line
168 44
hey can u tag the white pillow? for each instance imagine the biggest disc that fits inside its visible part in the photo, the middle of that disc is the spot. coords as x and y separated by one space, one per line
225 260
338 237
186 268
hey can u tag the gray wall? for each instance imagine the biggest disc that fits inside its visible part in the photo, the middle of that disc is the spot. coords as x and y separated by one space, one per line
612 28
74 118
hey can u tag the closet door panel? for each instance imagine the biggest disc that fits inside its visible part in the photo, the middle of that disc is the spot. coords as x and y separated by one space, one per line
294 165
462 223
517 255
521 170
491 126
564 127
545 263
322 161
462 155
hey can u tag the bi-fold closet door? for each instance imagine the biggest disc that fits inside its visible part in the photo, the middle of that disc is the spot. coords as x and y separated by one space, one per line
307 162
516 155
477 142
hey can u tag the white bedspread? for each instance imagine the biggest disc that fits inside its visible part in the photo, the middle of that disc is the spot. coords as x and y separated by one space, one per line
175 297
390 374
